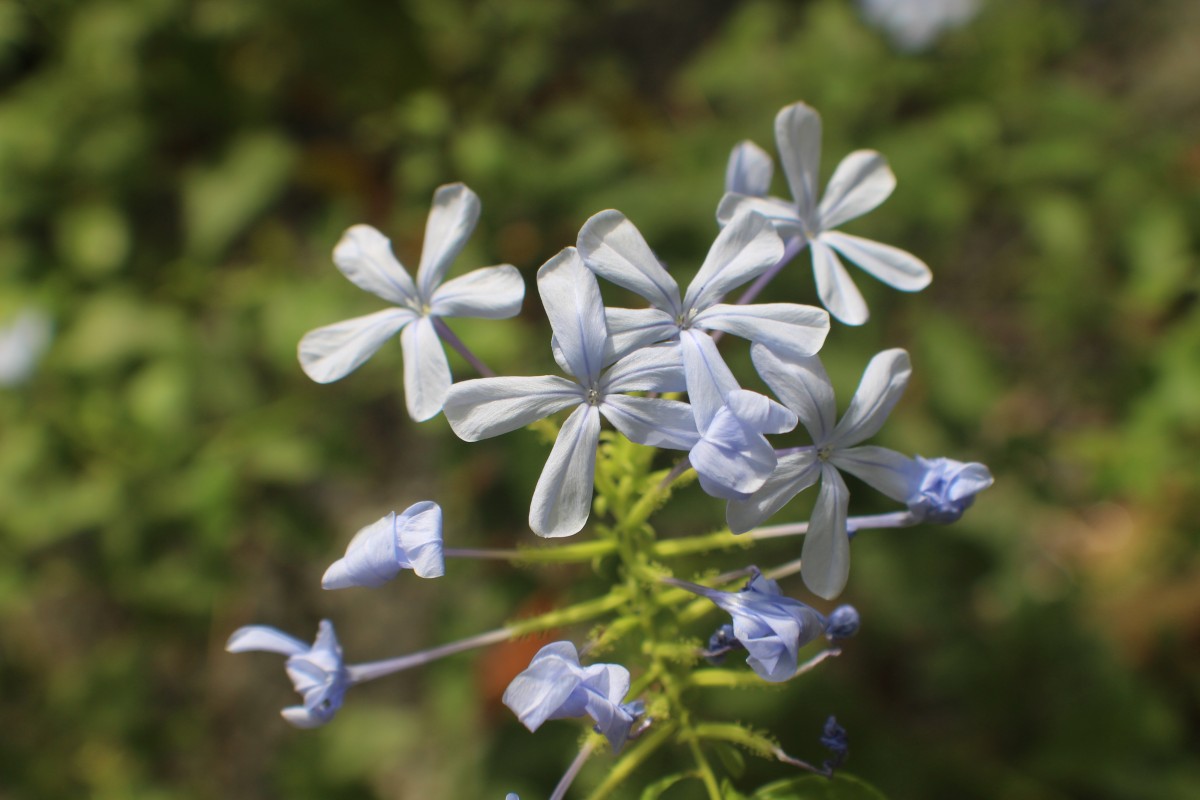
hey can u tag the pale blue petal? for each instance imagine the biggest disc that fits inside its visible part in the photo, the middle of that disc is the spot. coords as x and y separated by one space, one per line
451 219
364 255
733 460
802 385
798 139
541 689
895 267
749 170
301 717
572 301
631 329
835 287
562 499
781 213
419 528
709 379
488 293
794 473
265 639
825 557
486 407
880 468
334 351
22 343
882 384
651 421
614 249
759 413
860 183
426 370
650 369
744 249
787 328
943 489
372 558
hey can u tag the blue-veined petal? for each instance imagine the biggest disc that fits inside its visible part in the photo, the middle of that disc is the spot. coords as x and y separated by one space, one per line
709 379
426 370
572 301
651 421
485 407
895 267
615 250
364 255
488 293
781 213
788 328
264 638
631 329
798 139
802 385
562 498
794 473
882 384
733 459
880 468
451 219
744 249
650 369
835 287
542 688
749 170
825 557
334 351
377 553
860 183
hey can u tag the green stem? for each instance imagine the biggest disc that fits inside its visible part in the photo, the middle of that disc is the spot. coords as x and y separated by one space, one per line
633 758
571 615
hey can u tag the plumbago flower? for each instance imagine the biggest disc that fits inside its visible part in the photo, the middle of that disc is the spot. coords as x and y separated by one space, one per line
914 25
769 625
22 343
486 407
861 182
317 672
942 489
804 387
555 686
377 553
364 255
747 247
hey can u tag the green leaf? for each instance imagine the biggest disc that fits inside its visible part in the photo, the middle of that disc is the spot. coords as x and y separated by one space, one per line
815 787
655 790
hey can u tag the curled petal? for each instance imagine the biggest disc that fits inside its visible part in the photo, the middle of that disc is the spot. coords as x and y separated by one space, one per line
744 249
794 473
264 638
488 293
377 553
943 489
364 255
562 499
883 382
861 182
835 286
451 219
733 460
798 138
330 353
426 371
787 328
895 267
749 170
486 407
614 249
825 558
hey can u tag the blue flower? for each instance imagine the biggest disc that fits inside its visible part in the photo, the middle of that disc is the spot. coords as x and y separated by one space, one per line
769 625
22 343
861 182
377 553
803 386
615 250
555 686
486 407
364 255
733 459
842 623
317 672
942 488
914 25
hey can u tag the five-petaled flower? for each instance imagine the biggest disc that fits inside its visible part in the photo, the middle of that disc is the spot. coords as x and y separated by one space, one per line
377 553
317 672
365 256
486 407
555 686
803 386
861 182
769 625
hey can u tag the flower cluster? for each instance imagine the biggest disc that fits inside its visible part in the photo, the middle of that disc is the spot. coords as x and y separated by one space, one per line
657 375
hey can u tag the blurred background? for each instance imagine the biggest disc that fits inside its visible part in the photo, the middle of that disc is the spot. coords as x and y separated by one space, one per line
175 173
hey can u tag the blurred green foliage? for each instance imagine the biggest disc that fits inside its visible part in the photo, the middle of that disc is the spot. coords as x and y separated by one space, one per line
174 173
